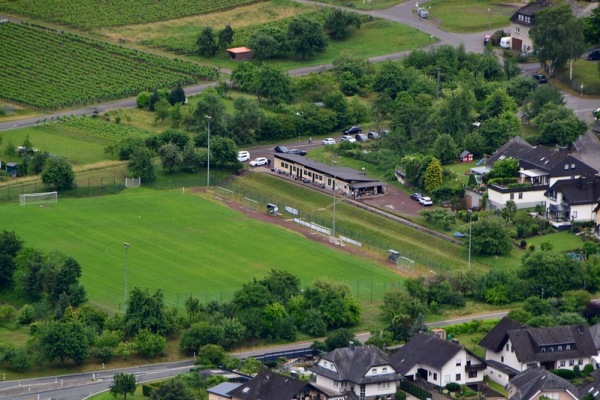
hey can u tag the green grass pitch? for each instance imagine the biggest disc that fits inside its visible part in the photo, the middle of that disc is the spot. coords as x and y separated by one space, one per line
182 244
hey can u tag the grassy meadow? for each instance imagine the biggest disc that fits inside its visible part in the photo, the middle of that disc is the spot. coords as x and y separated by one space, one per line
470 15
180 243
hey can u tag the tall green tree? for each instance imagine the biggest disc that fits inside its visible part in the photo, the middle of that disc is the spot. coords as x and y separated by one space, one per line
207 42
490 236
122 385
63 340
177 95
554 273
305 36
145 311
339 23
507 168
172 390
226 37
592 27
58 173
140 164
557 36
273 83
444 149
244 76
434 175
223 150
170 156
209 104
559 125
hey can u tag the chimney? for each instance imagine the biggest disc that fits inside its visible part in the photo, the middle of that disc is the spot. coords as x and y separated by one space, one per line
351 346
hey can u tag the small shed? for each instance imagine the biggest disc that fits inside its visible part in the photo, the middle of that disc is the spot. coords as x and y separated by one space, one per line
239 53
11 169
465 156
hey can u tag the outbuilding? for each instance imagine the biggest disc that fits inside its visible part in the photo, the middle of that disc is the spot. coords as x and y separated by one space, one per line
466 156
11 169
239 53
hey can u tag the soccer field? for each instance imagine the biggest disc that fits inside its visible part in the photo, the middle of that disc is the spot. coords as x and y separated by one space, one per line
182 244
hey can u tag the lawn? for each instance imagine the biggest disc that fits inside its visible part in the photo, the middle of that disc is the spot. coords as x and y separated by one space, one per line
363 4
470 15
79 149
585 72
180 243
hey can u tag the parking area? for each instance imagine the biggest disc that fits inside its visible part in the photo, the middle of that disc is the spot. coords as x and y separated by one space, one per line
396 202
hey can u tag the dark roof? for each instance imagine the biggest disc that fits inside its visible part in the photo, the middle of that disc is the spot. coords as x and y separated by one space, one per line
575 167
497 336
11 164
505 369
527 343
595 333
593 387
596 127
223 388
533 380
352 364
343 173
583 190
425 349
269 385
514 148
464 154
530 10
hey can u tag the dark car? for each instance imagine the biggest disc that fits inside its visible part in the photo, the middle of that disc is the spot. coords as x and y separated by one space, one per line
416 196
361 137
281 149
297 151
594 55
353 130
373 135
541 78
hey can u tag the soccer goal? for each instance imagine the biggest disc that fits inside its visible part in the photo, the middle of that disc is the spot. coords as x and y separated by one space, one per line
133 182
405 264
224 194
250 204
38 198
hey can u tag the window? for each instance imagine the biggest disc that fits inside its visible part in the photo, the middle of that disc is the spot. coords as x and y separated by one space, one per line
336 383
446 378
571 362
458 362
566 166
559 348
580 362
517 29
543 349
512 197
573 214
435 376
362 392
472 374
562 363
568 347
384 370
374 371
502 359
572 166
507 347
520 196
458 377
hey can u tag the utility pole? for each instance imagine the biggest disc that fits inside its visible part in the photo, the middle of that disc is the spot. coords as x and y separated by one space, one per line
438 84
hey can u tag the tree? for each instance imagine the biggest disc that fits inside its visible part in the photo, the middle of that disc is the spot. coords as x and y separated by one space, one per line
212 354
273 83
10 243
37 162
177 95
226 37
543 95
191 160
551 272
170 157
268 43
143 99
122 384
223 151
66 278
140 164
145 311
282 285
340 338
201 334
444 149
209 104
507 168
455 113
305 36
498 102
557 36
575 300
339 23
247 120
58 173
244 76
162 110
490 236
149 344
433 175
207 42
592 26
559 125
498 130
63 340
172 390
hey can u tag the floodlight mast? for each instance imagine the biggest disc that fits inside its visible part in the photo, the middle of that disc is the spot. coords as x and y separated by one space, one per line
208 118
126 268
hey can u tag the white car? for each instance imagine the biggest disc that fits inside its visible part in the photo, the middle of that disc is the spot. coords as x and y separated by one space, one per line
348 138
243 156
259 161
329 141
426 201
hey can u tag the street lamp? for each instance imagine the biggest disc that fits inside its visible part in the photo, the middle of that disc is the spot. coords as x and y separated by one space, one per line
126 268
208 118
334 198
300 114
470 217
489 18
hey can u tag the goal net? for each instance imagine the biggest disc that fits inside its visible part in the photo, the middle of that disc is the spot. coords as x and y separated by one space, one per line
405 264
38 198
224 194
250 204
133 182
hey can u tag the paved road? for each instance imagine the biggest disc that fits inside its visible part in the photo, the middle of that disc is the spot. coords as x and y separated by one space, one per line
80 386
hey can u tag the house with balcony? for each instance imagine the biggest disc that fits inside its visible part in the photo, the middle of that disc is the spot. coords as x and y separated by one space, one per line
536 383
522 21
268 385
511 347
437 361
570 200
359 372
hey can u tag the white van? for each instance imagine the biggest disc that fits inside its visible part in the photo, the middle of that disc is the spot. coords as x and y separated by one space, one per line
505 42
243 156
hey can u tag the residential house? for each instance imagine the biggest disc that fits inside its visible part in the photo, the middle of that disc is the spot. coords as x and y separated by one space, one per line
465 156
222 390
535 383
361 372
573 200
437 361
522 21
273 386
346 181
510 347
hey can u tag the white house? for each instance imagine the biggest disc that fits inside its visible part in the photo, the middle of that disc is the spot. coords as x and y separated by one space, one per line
437 361
573 199
522 21
364 371
536 383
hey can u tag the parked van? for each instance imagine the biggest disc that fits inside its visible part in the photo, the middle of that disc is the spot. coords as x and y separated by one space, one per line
505 42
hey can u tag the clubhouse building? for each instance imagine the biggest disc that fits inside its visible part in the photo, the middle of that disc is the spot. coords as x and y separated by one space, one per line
347 181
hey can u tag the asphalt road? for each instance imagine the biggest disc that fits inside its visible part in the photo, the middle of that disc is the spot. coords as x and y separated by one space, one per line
80 386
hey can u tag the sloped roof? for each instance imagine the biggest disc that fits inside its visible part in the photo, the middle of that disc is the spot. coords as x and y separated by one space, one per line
497 336
353 362
533 380
223 388
464 154
343 173
237 50
593 387
583 190
269 385
575 167
595 333
515 148
424 349
530 10
527 343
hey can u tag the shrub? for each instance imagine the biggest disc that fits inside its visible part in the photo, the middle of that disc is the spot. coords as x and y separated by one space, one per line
564 373
453 387
26 315
588 369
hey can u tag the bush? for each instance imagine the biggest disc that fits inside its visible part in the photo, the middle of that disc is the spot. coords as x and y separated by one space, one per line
453 387
564 373
588 369
26 315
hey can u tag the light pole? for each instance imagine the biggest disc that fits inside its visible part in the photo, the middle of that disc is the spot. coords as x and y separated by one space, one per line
208 118
470 216
300 114
489 18
126 268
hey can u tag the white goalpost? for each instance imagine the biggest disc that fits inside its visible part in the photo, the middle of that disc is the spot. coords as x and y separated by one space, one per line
405 264
250 204
133 182
38 198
